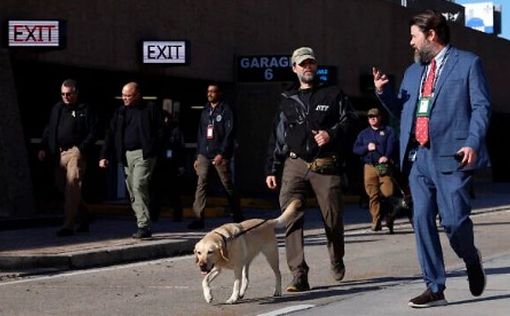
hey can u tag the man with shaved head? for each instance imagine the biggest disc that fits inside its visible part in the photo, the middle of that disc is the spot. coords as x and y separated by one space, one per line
134 136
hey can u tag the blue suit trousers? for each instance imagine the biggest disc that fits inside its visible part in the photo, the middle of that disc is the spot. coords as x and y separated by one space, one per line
446 194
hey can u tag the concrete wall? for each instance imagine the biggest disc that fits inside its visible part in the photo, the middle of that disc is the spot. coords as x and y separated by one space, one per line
15 183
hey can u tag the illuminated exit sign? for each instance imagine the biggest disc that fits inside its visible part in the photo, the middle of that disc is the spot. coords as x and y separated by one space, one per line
34 33
165 52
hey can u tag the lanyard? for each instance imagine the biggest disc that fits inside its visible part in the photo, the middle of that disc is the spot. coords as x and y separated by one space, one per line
211 114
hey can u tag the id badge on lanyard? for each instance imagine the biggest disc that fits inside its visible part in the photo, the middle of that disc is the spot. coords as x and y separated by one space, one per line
210 131
424 105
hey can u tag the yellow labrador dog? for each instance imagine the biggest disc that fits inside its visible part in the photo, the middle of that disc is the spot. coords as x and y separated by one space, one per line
233 246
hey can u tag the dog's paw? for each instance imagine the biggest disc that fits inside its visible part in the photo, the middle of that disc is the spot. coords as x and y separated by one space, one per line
277 293
208 297
232 300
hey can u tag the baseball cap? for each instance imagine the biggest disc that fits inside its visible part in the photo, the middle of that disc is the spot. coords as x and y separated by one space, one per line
301 54
374 112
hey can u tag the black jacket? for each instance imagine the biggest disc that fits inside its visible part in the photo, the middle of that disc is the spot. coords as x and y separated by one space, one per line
222 120
85 128
151 133
293 125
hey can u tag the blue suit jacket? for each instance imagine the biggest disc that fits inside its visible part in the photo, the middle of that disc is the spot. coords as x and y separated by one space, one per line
459 114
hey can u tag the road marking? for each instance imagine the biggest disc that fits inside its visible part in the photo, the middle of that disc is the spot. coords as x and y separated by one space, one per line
286 310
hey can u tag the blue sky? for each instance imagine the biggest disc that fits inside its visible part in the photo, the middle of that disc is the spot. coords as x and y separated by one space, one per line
505 14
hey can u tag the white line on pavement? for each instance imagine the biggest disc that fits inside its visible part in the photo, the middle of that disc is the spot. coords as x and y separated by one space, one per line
286 310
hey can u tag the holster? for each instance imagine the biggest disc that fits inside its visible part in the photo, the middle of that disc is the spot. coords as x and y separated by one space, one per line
324 165
383 169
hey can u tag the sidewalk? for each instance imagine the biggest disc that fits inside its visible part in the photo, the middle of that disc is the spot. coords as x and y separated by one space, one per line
109 240
494 301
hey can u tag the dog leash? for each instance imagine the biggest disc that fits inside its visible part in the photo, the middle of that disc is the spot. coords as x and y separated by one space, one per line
226 239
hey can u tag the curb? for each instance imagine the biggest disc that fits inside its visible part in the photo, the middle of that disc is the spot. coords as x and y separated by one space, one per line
145 250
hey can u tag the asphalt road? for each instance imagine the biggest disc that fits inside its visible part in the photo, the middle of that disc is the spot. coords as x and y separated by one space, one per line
173 286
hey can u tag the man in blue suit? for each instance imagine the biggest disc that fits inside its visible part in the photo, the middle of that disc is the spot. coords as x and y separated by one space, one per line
444 105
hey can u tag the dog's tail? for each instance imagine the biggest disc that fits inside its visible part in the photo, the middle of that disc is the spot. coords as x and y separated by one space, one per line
288 214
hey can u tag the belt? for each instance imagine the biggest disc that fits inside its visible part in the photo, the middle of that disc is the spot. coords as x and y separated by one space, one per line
293 155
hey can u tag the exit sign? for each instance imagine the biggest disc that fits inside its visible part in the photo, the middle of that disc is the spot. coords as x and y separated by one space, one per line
34 33
165 52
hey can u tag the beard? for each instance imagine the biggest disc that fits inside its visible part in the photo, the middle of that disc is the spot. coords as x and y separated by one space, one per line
424 55
307 77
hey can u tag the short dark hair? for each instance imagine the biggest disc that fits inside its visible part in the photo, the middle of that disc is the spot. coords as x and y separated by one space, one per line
71 83
215 84
432 20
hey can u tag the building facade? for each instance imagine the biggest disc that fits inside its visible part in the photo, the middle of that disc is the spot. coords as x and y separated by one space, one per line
103 45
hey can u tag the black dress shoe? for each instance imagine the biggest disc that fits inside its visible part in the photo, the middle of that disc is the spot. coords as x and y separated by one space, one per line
299 284
338 271
476 277
142 233
428 299
376 227
390 221
64 232
196 224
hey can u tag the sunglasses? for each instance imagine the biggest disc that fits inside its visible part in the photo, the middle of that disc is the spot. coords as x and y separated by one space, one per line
372 116
67 94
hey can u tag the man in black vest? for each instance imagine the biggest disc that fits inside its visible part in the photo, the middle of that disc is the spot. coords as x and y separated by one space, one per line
69 136
308 134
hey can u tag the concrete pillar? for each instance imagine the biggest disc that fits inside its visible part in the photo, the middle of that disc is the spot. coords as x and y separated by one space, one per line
16 199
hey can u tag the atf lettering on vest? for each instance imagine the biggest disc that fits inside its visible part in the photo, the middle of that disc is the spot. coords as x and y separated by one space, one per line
322 108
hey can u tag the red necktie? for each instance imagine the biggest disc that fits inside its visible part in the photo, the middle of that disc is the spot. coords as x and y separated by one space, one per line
422 122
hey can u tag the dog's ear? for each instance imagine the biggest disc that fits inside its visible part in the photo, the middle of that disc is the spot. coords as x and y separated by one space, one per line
224 251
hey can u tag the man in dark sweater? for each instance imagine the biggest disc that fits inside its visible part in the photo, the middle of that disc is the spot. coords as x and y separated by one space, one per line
134 136
70 134
215 148
377 145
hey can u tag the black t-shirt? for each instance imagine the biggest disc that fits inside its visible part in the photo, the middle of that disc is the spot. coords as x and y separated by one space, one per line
66 129
304 96
132 127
